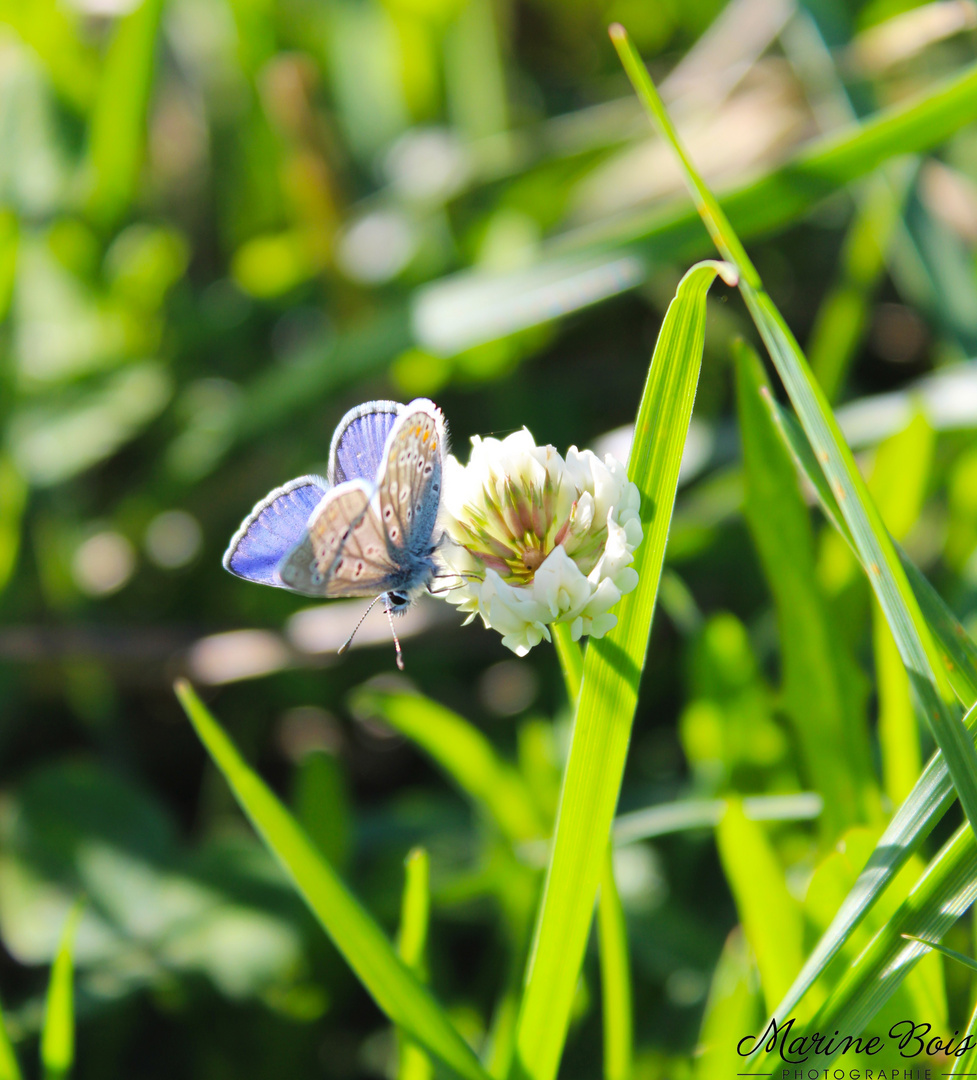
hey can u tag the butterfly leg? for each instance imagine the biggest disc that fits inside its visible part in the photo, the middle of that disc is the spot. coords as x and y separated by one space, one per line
390 617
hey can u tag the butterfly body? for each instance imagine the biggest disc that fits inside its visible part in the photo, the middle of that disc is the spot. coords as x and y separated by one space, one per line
370 528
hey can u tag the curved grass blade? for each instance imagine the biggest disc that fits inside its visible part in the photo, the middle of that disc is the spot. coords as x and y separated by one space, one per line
872 541
394 987
58 1033
609 694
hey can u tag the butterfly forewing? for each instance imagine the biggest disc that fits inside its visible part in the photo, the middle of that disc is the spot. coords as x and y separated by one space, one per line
272 528
357 446
410 484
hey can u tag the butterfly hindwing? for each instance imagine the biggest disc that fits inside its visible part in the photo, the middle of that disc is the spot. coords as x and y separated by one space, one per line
357 446
272 529
342 552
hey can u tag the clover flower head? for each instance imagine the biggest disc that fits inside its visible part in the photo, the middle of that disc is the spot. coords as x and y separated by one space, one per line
537 539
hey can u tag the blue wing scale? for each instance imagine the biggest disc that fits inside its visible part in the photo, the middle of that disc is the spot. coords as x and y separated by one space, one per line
272 529
357 446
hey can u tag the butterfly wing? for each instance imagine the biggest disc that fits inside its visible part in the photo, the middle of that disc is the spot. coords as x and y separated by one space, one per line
409 485
357 446
273 528
343 552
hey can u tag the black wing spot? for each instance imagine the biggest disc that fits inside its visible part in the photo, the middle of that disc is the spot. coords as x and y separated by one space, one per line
410 513
388 513
428 469
339 565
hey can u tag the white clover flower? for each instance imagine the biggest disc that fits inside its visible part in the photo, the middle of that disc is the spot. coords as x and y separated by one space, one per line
536 539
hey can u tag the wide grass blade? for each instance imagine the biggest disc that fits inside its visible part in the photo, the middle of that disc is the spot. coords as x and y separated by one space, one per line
733 1006
58 1033
615 965
609 694
394 987
118 123
770 916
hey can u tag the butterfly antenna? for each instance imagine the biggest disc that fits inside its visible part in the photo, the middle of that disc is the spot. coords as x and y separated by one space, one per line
346 644
393 630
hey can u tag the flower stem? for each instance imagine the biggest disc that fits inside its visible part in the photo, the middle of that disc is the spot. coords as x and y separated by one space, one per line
571 659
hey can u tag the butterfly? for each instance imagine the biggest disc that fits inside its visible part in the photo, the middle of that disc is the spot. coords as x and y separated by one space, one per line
369 528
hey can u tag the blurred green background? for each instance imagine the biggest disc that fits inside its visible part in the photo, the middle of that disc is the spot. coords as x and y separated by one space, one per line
225 222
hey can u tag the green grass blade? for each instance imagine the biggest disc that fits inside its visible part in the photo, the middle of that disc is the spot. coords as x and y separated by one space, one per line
118 122
415 911
615 966
872 541
770 916
58 1033
9 1069
394 987
615 978
898 731
608 696
463 752
733 1006
967 961
673 817
415 915
964 1064
942 895
932 793
828 717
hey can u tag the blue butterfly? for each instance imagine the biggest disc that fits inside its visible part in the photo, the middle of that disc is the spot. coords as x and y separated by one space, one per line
366 530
